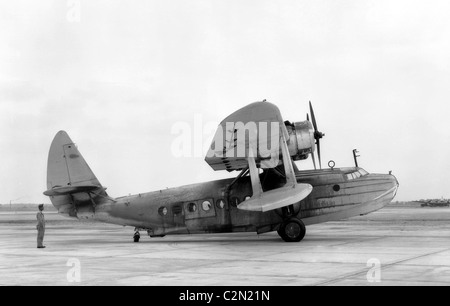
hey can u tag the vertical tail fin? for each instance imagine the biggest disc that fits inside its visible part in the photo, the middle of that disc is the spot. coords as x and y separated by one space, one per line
66 166
70 181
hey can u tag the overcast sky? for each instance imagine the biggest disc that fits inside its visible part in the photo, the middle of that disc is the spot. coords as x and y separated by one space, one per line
117 76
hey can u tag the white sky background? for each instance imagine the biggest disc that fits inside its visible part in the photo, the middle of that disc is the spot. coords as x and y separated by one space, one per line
377 73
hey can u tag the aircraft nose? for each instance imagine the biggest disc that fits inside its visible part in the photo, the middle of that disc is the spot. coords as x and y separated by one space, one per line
395 183
387 184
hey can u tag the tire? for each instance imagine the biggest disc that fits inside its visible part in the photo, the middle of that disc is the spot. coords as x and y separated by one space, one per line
292 230
136 238
280 232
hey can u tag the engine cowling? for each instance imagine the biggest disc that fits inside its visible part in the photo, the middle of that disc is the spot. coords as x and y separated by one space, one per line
301 139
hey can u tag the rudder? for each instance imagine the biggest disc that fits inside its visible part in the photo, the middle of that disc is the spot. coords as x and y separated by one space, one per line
71 184
66 166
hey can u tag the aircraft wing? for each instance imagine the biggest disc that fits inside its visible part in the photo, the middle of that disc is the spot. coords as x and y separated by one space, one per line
252 130
253 137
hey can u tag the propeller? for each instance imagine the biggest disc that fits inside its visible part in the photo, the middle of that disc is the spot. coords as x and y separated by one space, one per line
314 160
317 135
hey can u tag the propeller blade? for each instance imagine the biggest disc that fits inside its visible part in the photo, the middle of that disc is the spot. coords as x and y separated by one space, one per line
307 116
317 135
313 117
318 153
314 160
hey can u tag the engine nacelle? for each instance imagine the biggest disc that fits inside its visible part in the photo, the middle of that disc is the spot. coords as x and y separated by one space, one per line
301 139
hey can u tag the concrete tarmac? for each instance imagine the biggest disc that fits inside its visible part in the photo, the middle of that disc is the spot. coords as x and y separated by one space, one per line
410 246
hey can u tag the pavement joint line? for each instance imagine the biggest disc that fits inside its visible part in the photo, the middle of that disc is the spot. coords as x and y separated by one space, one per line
361 240
349 275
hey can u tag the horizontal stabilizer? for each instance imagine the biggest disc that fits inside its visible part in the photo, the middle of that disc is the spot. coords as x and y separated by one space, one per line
65 190
277 198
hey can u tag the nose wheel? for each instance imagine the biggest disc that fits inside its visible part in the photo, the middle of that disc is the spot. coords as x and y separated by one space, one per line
292 230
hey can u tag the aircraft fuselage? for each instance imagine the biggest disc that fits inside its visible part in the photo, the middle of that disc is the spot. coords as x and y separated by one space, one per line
211 207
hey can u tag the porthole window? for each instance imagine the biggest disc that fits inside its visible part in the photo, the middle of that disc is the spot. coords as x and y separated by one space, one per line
234 201
220 203
192 207
336 188
162 211
206 205
247 198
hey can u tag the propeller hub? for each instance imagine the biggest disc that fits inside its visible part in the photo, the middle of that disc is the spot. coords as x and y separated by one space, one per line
318 135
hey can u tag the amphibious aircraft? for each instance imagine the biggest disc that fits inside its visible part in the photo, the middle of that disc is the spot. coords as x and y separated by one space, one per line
269 194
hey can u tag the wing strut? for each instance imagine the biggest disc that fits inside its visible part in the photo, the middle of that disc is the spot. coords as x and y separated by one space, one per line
289 194
254 175
291 180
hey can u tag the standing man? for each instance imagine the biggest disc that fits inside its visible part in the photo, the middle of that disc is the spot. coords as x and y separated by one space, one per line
40 227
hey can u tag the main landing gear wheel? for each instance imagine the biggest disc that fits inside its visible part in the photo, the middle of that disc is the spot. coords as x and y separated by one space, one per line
292 230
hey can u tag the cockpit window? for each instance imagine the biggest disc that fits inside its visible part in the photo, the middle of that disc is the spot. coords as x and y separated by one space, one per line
356 174
363 172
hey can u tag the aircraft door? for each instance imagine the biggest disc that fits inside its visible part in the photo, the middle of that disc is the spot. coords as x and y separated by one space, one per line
223 220
178 215
237 194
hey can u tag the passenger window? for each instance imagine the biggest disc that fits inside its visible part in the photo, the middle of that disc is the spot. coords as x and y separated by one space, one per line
234 201
206 205
192 207
357 174
162 211
220 203
349 176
